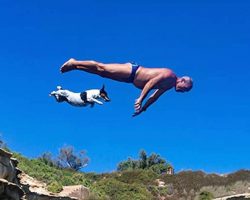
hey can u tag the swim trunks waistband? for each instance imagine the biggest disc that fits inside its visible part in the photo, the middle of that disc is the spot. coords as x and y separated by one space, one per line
133 72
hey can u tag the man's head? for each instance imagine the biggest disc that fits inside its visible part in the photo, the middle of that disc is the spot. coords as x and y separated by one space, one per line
184 84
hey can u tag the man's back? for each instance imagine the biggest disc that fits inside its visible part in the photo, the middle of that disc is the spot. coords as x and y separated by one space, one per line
167 78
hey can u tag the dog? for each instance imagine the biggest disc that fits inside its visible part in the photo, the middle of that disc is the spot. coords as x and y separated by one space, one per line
81 99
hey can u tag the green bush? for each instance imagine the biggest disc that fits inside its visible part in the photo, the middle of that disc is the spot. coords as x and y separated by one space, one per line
206 196
159 168
140 176
117 190
163 191
55 187
154 162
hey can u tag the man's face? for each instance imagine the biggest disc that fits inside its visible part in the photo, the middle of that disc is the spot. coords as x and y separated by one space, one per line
180 86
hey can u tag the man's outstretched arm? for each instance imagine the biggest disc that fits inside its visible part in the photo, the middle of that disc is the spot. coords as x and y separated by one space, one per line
149 85
150 101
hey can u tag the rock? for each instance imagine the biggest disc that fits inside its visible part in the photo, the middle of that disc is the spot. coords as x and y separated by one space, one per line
9 182
7 166
37 190
78 191
35 196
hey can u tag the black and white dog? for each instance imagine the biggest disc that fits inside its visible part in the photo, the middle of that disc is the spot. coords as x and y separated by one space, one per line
88 97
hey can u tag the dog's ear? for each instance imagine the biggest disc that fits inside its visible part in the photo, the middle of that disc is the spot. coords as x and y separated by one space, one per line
103 87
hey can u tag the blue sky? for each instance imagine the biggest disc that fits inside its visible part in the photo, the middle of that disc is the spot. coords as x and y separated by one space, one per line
207 128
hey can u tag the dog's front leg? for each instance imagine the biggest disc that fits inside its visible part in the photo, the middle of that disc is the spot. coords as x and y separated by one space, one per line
96 101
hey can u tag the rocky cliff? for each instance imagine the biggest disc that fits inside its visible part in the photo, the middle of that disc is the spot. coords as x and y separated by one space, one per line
9 182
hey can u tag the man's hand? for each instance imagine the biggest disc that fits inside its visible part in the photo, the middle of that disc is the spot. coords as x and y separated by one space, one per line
138 108
137 105
137 113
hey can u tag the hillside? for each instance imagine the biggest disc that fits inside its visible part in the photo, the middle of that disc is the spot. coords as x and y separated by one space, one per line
140 184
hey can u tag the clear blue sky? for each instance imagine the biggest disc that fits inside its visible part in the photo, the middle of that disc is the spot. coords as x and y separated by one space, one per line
207 128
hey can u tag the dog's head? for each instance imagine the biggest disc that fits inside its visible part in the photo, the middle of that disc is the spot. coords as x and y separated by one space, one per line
104 94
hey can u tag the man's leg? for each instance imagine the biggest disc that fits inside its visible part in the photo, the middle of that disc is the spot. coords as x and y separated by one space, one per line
119 72
88 66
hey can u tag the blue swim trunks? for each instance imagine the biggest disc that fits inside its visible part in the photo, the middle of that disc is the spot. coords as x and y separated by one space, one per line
133 72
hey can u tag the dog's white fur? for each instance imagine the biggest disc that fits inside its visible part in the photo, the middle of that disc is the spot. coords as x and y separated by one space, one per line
73 98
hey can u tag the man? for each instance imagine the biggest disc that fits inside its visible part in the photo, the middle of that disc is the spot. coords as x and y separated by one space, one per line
146 79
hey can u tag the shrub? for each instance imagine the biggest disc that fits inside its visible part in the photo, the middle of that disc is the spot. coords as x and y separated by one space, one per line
115 189
140 176
159 168
154 162
55 187
206 195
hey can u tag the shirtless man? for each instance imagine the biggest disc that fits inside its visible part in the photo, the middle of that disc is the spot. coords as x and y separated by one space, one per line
146 79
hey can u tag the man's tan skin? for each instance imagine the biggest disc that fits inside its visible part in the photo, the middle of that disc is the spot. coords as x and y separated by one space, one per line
146 79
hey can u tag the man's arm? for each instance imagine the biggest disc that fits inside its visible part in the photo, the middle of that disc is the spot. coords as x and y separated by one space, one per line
149 85
150 101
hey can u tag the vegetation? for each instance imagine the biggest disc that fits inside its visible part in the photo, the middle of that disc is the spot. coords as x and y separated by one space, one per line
138 182
206 195
55 187
114 189
67 159
53 176
153 162
130 184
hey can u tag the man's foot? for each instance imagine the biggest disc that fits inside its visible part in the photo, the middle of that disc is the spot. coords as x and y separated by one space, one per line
68 66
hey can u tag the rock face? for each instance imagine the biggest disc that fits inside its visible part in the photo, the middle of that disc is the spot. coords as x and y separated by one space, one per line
9 182
78 191
35 196
36 190
235 197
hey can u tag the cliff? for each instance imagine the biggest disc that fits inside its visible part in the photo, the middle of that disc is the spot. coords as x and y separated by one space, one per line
9 181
